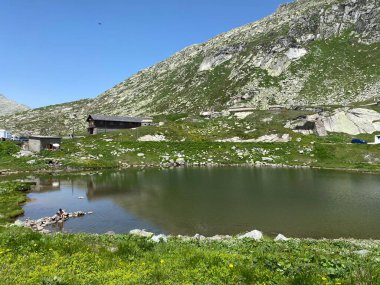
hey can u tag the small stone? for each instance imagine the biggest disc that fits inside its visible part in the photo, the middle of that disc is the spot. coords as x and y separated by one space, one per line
361 252
110 233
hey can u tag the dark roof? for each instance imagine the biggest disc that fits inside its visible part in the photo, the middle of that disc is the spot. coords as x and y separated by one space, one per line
116 119
43 137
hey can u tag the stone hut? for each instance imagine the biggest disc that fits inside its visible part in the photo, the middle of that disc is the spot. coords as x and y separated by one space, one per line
38 143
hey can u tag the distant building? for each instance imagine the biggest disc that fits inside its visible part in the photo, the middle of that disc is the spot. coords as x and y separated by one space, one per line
377 139
38 143
5 135
101 124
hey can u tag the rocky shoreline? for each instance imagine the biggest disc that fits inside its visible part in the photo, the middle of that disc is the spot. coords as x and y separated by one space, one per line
40 225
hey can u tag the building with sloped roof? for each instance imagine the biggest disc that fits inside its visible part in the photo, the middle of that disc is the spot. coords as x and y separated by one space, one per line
101 124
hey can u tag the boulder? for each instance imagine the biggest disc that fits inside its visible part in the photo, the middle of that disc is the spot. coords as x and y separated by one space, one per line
353 121
180 161
159 238
199 237
141 233
255 234
343 120
281 237
19 223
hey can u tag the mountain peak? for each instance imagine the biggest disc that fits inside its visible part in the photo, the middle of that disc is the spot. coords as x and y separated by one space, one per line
9 107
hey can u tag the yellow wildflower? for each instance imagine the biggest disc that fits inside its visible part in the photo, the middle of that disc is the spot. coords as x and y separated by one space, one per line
231 265
324 279
162 261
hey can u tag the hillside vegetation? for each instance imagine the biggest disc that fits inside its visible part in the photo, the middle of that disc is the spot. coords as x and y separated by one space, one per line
323 52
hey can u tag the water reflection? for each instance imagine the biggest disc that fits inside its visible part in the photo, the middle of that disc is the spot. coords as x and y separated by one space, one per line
302 203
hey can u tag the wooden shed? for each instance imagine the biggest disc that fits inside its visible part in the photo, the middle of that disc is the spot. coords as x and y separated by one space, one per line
38 143
101 124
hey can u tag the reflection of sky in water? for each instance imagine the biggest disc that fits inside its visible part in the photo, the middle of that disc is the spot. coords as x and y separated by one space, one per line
107 216
295 202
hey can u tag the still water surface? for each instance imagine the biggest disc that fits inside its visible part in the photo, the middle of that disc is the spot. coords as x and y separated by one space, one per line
294 202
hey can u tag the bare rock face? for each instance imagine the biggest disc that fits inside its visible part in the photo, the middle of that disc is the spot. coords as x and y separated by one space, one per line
344 120
353 121
8 107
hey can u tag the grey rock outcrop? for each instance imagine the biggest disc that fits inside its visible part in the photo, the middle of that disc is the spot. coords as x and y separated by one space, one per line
353 121
9 107
343 120
255 234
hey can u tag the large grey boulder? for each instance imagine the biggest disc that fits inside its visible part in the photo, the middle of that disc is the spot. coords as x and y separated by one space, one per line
343 120
255 234
353 121
141 233
281 237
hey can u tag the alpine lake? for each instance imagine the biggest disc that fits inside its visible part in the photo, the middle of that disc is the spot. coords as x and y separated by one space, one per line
303 203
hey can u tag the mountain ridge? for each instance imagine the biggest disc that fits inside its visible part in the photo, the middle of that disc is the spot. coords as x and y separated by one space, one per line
324 52
9 107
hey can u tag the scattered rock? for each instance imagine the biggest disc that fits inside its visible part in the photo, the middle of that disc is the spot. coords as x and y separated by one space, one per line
159 238
141 233
19 223
256 235
180 161
219 238
362 252
150 138
199 237
281 237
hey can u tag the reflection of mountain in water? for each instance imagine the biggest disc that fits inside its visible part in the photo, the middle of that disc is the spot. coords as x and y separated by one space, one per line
224 200
195 200
46 184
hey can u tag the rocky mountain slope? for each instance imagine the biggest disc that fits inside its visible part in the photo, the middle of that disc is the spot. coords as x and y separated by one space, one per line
8 107
320 52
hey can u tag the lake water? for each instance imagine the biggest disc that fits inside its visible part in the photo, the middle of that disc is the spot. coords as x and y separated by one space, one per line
209 201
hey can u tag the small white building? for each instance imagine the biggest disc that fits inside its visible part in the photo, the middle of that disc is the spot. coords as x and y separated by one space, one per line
377 139
5 135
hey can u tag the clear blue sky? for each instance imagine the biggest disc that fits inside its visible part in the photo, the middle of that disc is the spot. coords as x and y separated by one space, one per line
55 51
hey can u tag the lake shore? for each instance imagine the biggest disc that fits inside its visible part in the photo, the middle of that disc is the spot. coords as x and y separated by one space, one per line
135 259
